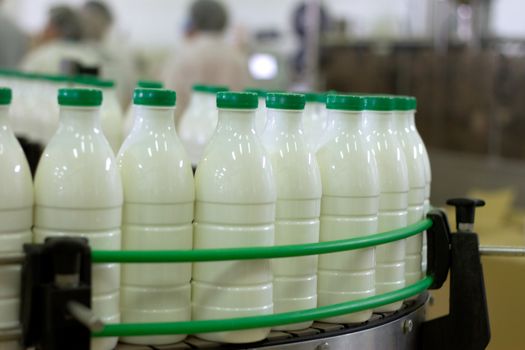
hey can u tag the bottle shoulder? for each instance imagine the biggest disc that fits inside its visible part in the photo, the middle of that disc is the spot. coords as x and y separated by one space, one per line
235 170
296 172
16 189
78 171
347 171
155 172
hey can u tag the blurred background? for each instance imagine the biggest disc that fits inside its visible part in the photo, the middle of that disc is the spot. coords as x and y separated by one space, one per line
463 60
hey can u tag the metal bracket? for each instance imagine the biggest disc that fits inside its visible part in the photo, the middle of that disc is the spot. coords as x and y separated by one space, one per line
467 324
56 295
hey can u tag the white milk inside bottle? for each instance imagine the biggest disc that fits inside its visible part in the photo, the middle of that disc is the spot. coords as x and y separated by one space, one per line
199 120
128 119
260 115
157 215
234 207
111 115
298 184
349 207
416 183
314 120
422 150
78 192
393 200
16 217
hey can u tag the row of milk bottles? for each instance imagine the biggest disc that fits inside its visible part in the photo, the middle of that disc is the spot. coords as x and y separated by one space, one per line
199 120
371 174
35 113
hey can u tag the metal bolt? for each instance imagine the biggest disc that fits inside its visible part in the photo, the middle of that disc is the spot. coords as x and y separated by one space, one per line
324 346
408 325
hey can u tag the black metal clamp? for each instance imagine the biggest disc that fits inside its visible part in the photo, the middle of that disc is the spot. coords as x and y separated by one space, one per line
56 295
467 324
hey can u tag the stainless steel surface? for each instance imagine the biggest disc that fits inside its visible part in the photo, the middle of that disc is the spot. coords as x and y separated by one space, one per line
393 331
465 227
10 334
501 251
408 326
324 346
85 316
389 336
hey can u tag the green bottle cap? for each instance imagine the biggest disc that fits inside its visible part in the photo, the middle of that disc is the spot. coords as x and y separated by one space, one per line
379 103
57 78
5 96
149 84
90 80
237 100
9 72
280 100
315 97
345 102
260 92
412 101
154 97
80 97
402 103
210 89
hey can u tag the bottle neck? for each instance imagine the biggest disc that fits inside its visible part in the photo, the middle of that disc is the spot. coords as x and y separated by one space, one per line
4 117
153 118
236 120
284 120
80 118
379 121
109 93
402 120
345 120
202 99
411 119
313 107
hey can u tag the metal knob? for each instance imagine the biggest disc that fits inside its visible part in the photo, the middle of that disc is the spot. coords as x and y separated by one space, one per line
465 212
85 316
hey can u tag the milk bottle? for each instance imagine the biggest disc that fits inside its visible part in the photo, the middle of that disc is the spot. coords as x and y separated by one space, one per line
349 207
128 119
111 115
298 205
314 119
393 201
260 115
157 215
199 120
428 172
16 217
416 182
78 192
235 207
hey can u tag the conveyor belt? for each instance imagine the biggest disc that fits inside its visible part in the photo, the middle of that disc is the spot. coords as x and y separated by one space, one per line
385 331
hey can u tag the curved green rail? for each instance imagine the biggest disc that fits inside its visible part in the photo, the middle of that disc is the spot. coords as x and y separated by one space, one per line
163 256
232 324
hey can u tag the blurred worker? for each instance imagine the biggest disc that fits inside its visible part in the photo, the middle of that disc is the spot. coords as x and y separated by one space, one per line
13 42
60 41
116 58
206 57
301 18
